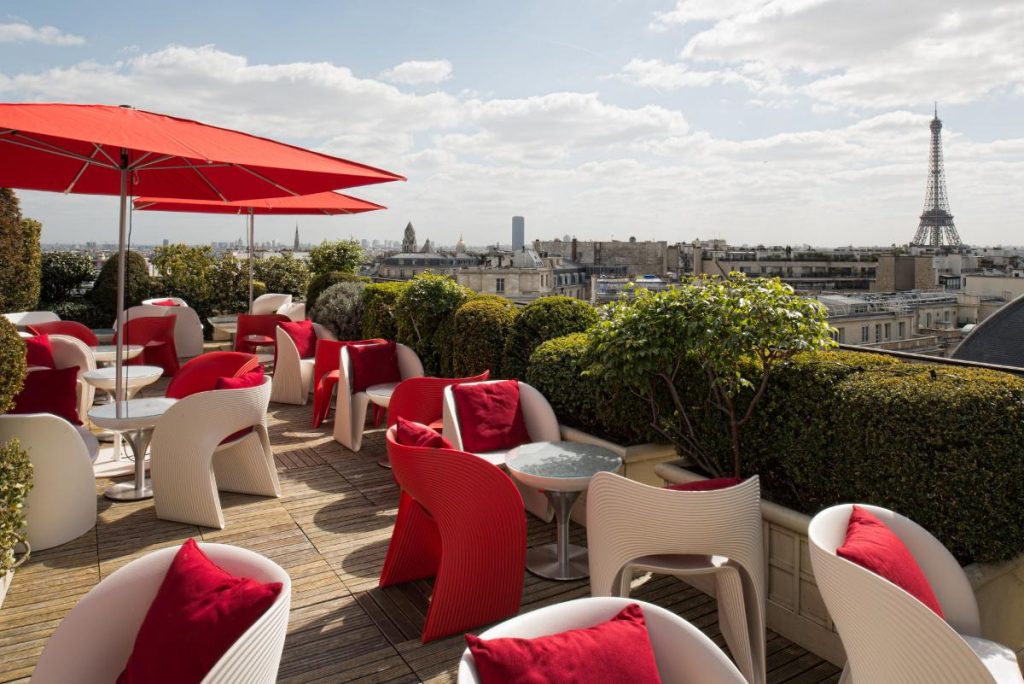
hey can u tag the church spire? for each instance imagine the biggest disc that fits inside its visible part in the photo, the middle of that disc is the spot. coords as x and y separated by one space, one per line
295 248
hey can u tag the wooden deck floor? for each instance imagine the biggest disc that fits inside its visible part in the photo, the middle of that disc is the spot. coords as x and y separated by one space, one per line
330 531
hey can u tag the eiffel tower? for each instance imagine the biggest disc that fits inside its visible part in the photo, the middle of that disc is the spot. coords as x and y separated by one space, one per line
936 228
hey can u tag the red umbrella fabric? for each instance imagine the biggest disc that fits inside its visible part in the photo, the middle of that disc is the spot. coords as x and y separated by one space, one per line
326 203
78 148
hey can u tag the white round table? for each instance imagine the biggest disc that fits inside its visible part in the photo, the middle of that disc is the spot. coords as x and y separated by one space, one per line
107 353
137 420
562 470
133 378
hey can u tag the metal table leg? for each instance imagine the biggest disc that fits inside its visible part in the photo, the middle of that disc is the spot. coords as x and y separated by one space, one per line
140 489
562 560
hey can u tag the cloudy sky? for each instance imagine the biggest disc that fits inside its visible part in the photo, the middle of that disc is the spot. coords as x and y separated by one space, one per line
757 121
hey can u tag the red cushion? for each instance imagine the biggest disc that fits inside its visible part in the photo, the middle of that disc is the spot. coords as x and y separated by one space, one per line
373 364
614 652
303 335
706 485
253 378
410 433
872 545
490 415
51 390
165 302
199 611
39 351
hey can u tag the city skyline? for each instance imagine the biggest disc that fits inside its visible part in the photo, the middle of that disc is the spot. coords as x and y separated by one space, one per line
754 121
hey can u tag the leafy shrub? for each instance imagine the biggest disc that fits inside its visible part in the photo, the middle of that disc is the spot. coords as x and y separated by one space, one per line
12 364
229 285
482 326
340 310
20 263
137 286
424 308
322 281
283 273
185 272
80 311
335 255
379 302
15 484
541 320
62 274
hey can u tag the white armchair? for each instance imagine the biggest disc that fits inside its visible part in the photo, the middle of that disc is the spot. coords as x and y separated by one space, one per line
62 503
190 460
79 652
888 634
682 652
269 303
23 318
350 414
70 351
541 423
188 329
293 310
293 376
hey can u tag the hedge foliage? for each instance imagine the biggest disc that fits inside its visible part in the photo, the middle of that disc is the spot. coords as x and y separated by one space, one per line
424 313
541 320
379 302
12 364
321 281
340 310
282 273
482 326
62 274
15 484
335 255
137 286
19 256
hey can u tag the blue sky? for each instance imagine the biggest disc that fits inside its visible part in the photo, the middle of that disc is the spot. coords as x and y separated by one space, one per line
757 121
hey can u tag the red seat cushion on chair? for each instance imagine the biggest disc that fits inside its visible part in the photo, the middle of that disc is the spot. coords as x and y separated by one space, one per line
373 364
39 351
706 485
199 611
303 334
51 390
871 544
614 652
409 433
165 302
490 415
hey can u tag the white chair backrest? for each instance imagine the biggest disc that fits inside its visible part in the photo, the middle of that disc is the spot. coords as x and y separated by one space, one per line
145 311
269 303
889 635
70 351
23 318
177 300
683 653
203 420
62 503
540 418
78 652
409 366
293 310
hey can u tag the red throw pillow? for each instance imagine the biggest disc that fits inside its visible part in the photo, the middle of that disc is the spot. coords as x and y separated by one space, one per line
51 390
373 364
872 545
706 485
303 335
199 611
253 378
409 433
490 416
165 302
614 652
39 351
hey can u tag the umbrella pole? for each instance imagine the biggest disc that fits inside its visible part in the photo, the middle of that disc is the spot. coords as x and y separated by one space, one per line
251 232
121 268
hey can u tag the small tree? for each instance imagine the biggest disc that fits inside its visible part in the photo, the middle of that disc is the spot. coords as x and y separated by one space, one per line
423 311
137 285
19 256
185 272
734 330
481 327
379 303
321 281
542 320
15 467
339 308
62 274
336 255
283 273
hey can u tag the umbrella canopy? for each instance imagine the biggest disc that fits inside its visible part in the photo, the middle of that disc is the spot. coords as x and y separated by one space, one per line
84 148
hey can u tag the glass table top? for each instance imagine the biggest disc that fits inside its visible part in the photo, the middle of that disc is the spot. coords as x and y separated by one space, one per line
556 460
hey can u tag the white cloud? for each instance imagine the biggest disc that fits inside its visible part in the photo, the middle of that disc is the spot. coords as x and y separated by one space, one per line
417 72
20 32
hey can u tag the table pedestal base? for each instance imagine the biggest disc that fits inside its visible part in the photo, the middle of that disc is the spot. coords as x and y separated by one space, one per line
543 561
140 489
127 491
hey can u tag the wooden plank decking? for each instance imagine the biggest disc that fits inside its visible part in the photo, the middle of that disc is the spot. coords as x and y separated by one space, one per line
330 531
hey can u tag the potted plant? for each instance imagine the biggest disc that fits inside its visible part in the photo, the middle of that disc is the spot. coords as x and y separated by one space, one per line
15 467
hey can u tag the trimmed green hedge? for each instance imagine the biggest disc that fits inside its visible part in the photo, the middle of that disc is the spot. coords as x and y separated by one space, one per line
20 260
322 281
340 309
940 444
379 301
541 320
424 313
12 364
482 326
15 484
137 286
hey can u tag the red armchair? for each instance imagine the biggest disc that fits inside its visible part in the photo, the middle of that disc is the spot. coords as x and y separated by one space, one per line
201 373
69 328
257 331
460 520
156 335
326 374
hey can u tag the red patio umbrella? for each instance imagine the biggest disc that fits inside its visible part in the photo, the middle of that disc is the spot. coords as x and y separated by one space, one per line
107 150
325 203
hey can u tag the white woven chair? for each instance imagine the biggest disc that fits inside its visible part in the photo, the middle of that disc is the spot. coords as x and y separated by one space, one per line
188 329
23 318
635 528
541 423
293 376
350 411
269 303
293 310
144 311
682 652
81 652
189 464
178 301
888 634
70 351
62 503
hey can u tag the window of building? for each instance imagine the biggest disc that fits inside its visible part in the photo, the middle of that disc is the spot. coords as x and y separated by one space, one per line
499 284
902 327
945 315
888 331
841 337
401 273
878 332
864 333
928 320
